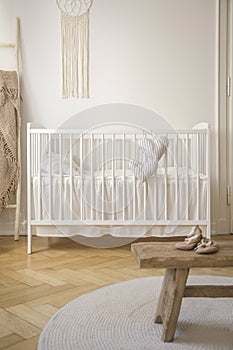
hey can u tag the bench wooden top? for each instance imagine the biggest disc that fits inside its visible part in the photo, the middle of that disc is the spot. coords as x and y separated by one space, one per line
164 255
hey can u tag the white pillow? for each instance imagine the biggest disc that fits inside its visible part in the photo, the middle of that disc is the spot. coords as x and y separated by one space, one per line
153 148
143 171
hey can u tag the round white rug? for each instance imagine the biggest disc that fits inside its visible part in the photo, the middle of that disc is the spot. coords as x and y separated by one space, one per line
120 317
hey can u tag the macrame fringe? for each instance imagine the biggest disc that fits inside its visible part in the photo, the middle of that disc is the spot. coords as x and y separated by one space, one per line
75 55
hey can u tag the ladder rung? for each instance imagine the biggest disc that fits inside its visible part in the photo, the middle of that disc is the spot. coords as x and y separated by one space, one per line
11 206
7 45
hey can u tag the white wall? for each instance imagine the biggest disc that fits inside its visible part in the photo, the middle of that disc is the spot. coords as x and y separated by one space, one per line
159 54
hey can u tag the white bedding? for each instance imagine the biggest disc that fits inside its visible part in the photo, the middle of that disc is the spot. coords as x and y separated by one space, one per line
150 187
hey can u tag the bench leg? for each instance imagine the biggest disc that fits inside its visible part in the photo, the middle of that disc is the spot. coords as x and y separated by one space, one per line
170 300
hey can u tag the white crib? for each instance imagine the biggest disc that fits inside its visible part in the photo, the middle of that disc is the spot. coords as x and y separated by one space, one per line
79 182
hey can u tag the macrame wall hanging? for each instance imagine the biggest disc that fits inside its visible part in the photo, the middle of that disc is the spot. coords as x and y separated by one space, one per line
75 47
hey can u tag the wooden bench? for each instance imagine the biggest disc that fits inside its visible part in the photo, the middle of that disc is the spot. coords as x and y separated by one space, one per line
177 263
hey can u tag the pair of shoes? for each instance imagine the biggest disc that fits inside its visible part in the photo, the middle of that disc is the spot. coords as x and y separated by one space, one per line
206 246
192 239
195 241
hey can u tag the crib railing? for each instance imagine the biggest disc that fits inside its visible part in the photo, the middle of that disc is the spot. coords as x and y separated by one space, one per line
98 155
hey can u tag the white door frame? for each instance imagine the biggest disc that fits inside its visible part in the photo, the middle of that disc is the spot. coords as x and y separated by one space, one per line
229 106
224 120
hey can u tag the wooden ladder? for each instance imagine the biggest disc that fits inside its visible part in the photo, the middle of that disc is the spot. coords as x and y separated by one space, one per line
17 204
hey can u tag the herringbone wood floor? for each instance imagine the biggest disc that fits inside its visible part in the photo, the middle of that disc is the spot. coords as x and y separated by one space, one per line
33 288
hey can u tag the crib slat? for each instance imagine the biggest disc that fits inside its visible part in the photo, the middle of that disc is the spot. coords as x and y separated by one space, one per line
155 199
144 184
81 176
113 177
144 200
71 174
102 197
50 178
36 153
208 140
92 176
97 196
123 174
134 179
165 194
60 175
197 178
176 166
39 175
187 175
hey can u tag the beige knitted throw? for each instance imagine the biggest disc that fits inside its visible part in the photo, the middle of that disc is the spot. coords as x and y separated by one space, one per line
9 117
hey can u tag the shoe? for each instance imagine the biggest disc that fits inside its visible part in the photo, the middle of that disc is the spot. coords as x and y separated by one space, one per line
192 239
206 246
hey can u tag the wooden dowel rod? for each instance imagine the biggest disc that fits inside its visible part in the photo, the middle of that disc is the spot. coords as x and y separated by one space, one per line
18 192
17 45
11 206
6 45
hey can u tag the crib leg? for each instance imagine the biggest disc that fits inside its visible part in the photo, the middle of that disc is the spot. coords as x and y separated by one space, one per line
29 239
208 234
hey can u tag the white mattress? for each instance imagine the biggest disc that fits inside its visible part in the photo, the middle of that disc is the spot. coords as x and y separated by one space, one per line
145 196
